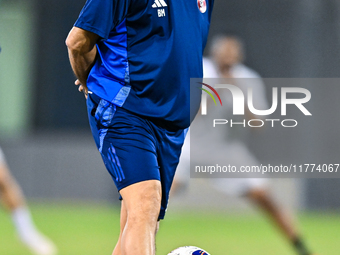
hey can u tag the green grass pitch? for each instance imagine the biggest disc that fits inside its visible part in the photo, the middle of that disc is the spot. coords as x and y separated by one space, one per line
93 229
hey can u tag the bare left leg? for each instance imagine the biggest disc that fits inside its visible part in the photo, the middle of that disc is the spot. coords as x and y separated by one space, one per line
262 199
123 218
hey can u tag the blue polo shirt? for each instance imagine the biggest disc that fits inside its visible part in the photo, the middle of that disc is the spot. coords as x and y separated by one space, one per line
149 50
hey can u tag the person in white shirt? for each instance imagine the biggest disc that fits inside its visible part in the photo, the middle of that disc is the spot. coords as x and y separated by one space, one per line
227 56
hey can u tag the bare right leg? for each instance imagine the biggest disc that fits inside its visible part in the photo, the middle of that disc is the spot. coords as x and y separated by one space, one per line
10 192
123 217
139 214
13 200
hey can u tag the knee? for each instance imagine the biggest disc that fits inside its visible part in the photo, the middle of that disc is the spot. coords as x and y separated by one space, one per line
3 181
151 195
150 202
2 185
143 201
258 194
6 179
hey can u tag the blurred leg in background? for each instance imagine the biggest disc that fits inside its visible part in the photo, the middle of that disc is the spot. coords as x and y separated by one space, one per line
13 200
261 198
256 190
226 61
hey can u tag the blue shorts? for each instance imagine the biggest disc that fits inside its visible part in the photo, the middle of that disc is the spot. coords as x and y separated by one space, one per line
133 148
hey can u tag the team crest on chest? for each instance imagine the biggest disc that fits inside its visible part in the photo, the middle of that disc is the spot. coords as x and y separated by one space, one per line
202 5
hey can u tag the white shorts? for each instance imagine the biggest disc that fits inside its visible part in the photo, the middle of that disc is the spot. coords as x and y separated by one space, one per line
237 155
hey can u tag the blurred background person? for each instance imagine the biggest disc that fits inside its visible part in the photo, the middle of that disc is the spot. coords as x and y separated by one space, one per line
13 200
226 61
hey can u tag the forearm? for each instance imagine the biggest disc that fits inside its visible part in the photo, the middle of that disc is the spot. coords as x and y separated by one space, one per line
82 62
82 52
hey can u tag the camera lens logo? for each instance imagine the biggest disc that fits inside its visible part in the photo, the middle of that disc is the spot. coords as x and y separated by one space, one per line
210 94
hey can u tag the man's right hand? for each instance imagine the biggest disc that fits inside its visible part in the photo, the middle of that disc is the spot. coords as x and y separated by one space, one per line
81 88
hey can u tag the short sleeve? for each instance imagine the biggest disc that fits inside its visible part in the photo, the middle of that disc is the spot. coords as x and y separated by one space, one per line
101 16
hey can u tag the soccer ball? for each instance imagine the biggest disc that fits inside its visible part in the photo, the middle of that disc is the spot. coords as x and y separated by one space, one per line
189 250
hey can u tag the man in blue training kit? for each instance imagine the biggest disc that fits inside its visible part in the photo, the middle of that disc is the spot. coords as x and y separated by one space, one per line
134 60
